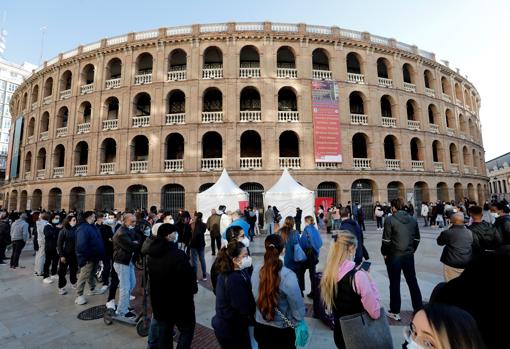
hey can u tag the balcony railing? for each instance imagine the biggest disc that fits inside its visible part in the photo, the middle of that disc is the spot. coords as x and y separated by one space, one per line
30 139
212 164
466 170
293 162
454 168
110 124
86 88
450 131
58 172
446 97
80 170
47 100
85 127
251 163
438 167
41 174
417 165
413 124
65 94
389 122
288 73
409 87
249 72
434 128
322 74
61 131
175 119
359 119
174 165
212 73
112 83
288 116
43 135
430 92
384 82
212 116
141 121
392 164
250 116
107 168
145 78
139 166
458 102
326 165
176 75
34 105
361 163
356 78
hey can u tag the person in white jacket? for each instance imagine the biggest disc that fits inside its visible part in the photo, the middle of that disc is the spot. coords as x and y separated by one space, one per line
40 256
225 221
425 213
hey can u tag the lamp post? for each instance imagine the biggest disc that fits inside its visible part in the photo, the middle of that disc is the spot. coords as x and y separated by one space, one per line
359 185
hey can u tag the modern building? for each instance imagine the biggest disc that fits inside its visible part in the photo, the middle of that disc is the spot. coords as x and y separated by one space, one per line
151 118
498 171
11 76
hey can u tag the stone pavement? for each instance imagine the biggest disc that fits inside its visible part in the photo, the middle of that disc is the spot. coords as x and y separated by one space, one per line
33 315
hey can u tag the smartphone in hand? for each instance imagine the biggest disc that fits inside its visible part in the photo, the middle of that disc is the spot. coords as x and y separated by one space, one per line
365 266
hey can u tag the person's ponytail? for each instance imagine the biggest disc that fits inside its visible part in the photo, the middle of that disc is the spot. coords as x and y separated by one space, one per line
269 277
224 260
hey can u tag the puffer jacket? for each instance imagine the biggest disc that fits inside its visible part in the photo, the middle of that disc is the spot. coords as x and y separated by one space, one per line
457 242
124 246
66 243
89 245
485 238
502 224
401 235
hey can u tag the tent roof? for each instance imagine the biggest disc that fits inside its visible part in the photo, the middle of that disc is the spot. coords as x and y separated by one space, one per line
224 185
287 184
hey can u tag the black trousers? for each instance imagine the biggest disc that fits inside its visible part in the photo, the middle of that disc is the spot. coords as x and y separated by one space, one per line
114 284
51 257
107 268
379 222
17 247
3 247
270 337
395 265
215 243
186 332
71 264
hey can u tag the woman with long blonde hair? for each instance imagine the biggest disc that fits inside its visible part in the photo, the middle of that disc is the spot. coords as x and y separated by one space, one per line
346 290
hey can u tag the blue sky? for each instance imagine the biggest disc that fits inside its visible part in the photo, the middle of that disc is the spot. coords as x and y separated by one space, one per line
472 35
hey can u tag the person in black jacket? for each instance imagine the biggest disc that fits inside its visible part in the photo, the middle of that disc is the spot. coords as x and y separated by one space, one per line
66 248
352 226
124 248
107 236
400 240
197 245
502 222
5 235
172 285
183 224
485 237
51 232
235 305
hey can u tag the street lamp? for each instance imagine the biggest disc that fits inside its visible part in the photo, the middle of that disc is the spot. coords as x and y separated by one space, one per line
359 185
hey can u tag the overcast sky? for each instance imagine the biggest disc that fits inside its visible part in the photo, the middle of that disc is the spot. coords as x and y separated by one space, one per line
473 35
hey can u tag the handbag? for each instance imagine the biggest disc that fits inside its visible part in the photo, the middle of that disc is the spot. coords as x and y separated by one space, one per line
311 258
299 254
361 331
300 329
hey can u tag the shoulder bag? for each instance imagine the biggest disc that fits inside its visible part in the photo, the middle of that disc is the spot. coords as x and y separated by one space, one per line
299 254
301 329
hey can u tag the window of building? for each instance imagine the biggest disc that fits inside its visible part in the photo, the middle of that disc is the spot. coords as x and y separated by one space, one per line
11 87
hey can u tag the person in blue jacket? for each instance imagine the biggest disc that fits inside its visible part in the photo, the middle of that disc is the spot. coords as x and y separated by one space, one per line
89 251
238 221
352 226
311 243
290 238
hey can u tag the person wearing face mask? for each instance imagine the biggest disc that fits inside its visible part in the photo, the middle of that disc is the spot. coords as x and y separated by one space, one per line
172 285
442 327
51 232
89 251
66 246
235 305
107 235
346 290
197 245
124 247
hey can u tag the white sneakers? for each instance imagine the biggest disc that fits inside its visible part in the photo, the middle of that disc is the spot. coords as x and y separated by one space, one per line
132 298
48 280
62 291
97 291
111 304
54 277
394 316
80 300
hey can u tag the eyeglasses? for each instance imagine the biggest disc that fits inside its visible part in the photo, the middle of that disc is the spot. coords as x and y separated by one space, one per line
411 335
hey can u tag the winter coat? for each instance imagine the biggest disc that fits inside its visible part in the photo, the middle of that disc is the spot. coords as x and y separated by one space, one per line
401 235
311 238
124 246
5 232
19 230
198 235
457 242
172 281
89 244
107 236
213 225
288 258
269 216
485 238
66 242
50 238
353 227
502 224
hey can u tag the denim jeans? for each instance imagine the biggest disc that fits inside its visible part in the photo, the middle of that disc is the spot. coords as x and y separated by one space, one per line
153 339
270 228
127 282
196 254
395 265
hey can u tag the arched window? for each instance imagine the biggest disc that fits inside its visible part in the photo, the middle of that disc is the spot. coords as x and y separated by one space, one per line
255 191
31 127
445 86
136 197
13 201
437 152
35 94
386 107
462 124
108 154
172 198
356 103
41 159
395 190
459 192
144 63
28 162
204 187
87 75
176 102
442 192
84 114
140 148
45 123
450 119
55 199
458 93
465 157
454 156
25 101
81 153
111 106
288 145
251 147
412 110
48 87
212 100
359 146
362 193
250 99
354 63
113 70
62 117
391 150
408 73
285 58
59 156
36 199
212 145
77 199
433 115
416 149
421 194
287 100
213 63
327 190
320 60
383 68
428 79
105 198
249 58
142 104
66 81
177 62
174 145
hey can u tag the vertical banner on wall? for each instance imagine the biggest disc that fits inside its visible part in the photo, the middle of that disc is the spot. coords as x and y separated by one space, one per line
15 151
326 121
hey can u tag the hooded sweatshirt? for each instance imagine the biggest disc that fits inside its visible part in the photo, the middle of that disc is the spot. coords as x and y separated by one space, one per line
401 235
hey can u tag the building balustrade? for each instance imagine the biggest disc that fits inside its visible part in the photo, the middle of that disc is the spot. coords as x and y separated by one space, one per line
65 94
61 131
176 75
174 165
288 116
212 164
288 73
326 165
139 166
112 83
110 124
249 72
408 87
47 100
141 121
430 92
356 78
30 139
212 117
175 119
392 164
80 170
145 78
34 105
361 163
359 119
213 73
41 174
417 165
434 128
290 162
450 131
322 74
86 88
384 82
83 128
438 166
250 116
447 97
413 124
454 168
28 175
58 172
107 168
389 122
251 163
43 136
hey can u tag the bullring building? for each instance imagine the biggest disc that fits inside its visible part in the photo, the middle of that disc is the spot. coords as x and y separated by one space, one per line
151 118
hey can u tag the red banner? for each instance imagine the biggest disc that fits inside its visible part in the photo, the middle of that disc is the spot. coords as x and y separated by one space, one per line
325 202
326 121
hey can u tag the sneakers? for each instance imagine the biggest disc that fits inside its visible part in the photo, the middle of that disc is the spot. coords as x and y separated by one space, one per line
62 291
132 298
48 280
394 316
97 291
54 277
130 315
111 304
204 278
80 300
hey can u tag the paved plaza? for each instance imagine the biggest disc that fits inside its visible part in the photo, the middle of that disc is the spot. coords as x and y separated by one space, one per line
33 315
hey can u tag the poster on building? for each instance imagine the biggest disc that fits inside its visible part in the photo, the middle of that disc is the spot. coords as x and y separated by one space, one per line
326 121
16 143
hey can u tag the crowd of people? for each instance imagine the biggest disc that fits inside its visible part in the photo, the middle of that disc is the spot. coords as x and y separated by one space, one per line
263 305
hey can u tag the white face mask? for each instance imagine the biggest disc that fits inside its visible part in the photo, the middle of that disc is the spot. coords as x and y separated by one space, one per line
245 241
245 263
494 214
410 344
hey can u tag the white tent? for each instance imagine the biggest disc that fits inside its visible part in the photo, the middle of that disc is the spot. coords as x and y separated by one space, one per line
287 195
223 192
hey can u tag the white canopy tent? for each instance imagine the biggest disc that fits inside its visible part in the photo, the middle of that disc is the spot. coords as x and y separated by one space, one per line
287 195
223 192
